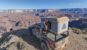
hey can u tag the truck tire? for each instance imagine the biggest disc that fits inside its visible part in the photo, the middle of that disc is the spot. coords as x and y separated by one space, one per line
44 46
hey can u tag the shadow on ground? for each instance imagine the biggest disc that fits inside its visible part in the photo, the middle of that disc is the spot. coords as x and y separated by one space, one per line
25 34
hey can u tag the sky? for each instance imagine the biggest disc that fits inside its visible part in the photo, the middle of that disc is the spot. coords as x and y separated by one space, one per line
42 4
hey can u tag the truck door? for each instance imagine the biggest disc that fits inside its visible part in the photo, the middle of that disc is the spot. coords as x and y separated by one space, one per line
36 32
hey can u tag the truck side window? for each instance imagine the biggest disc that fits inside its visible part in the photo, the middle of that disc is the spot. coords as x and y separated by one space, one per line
47 25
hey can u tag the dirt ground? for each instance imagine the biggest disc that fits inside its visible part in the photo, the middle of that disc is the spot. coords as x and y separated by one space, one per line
77 42
29 42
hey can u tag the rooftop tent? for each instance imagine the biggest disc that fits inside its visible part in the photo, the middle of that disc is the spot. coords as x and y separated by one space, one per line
58 25
62 24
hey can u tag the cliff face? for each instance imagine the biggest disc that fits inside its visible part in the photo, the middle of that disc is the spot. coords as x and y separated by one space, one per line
17 20
5 24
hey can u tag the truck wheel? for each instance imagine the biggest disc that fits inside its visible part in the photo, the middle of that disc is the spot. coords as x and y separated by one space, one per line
44 46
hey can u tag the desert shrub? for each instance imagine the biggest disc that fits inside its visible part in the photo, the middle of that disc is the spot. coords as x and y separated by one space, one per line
10 44
20 46
2 29
78 31
84 32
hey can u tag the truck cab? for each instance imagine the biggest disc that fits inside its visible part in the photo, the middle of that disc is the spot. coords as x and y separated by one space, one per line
52 32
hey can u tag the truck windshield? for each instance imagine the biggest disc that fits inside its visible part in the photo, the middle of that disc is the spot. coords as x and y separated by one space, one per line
51 36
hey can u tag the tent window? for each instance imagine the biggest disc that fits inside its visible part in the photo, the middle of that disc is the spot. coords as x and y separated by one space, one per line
64 26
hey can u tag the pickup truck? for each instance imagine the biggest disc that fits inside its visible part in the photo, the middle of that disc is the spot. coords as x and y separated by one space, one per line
52 32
